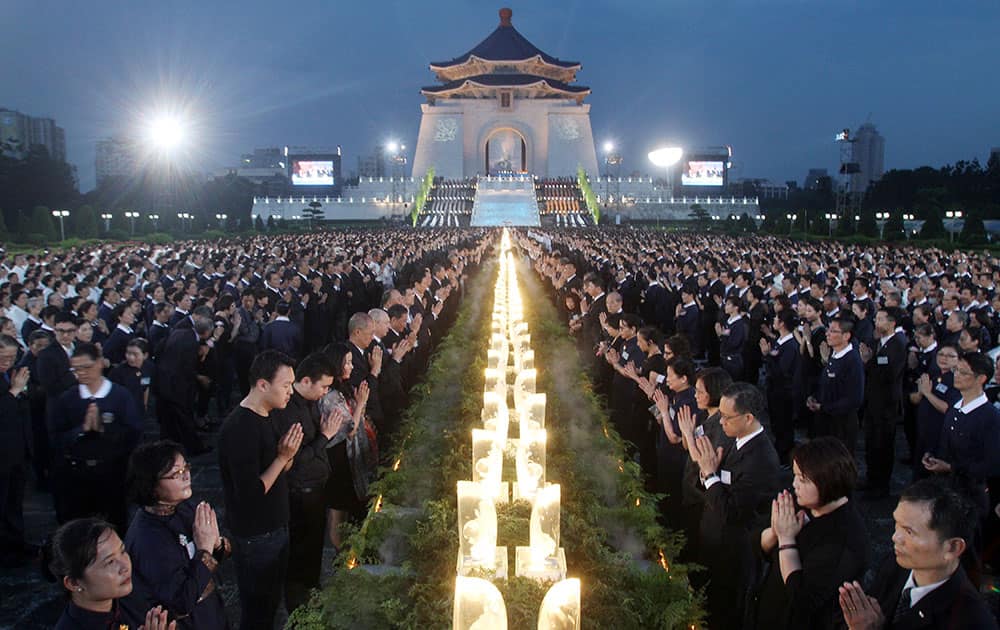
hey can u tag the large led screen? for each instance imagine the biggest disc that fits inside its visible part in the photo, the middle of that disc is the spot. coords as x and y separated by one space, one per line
699 173
312 173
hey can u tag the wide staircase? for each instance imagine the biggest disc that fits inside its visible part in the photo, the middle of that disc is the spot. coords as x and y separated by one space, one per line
449 203
561 203
505 200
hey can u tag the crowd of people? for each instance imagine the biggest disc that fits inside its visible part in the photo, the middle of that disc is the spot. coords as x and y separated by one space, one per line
307 347
753 378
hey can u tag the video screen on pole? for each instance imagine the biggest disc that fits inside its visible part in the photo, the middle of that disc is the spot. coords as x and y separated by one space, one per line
697 173
312 173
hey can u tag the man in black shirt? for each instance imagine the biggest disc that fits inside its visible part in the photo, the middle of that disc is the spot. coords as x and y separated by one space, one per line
308 475
252 462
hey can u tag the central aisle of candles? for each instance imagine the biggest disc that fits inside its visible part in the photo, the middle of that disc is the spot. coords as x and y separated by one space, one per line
510 398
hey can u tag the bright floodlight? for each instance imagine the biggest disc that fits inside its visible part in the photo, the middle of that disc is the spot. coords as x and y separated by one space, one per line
667 156
392 147
165 132
609 147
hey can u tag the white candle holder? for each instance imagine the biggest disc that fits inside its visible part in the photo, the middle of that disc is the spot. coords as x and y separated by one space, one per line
543 558
478 605
560 609
477 533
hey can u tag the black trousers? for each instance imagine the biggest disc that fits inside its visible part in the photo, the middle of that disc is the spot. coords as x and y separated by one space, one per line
880 446
782 413
843 427
307 533
12 481
177 424
261 562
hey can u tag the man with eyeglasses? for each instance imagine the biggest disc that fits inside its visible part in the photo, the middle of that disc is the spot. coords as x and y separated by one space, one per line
53 362
739 483
93 429
841 388
968 452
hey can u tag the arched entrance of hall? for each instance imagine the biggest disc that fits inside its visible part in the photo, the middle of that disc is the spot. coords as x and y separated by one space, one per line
506 152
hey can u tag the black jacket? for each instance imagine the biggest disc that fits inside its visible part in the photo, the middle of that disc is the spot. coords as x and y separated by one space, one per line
311 467
954 605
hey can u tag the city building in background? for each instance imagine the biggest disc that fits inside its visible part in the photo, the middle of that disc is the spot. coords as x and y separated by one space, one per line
869 154
114 157
374 164
19 132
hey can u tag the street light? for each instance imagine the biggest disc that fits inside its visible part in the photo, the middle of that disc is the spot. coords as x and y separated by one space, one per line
221 218
184 216
132 216
830 218
614 158
155 218
62 214
666 157
953 216
791 222
881 218
107 216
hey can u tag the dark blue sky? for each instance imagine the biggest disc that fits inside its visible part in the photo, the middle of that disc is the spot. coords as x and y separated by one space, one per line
774 78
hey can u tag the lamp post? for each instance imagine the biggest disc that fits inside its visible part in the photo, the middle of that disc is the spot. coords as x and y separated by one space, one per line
183 216
62 214
906 231
665 158
953 216
155 218
614 158
881 218
830 218
791 222
107 216
398 159
221 218
132 216
760 220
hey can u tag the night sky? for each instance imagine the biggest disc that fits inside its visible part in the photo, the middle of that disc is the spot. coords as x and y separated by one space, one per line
773 78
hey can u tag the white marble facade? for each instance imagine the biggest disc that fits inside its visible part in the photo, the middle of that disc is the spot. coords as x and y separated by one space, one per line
454 133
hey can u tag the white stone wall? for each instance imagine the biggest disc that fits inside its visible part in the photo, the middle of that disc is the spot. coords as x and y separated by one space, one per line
454 132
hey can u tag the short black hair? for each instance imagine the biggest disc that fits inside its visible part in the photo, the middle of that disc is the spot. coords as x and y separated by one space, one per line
140 343
266 365
314 367
979 363
631 320
715 380
952 515
396 311
826 462
87 350
146 466
652 335
684 368
746 398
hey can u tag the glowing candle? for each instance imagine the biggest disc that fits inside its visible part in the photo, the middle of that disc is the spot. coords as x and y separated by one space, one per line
478 605
561 607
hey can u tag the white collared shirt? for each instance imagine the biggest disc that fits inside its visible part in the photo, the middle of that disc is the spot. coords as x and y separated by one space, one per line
124 328
782 340
101 392
973 404
840 354
930 348
732 320
741 442
917 593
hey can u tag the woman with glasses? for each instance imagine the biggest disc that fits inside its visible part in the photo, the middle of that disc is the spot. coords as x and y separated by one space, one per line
934 396
174 542
95 426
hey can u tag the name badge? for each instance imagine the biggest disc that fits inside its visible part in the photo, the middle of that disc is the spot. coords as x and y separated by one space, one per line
726 477
831 375
144 381
660 379
625 355
941 388
882 360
